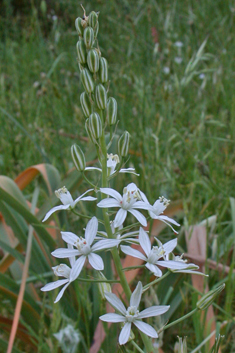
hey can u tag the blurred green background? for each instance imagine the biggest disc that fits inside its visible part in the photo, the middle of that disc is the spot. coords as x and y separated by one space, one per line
172 68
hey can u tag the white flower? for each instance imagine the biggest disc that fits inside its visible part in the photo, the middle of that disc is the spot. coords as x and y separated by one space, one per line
132 314
178 60
68 338
190 269
68 203
85 249
159 207
112 161
155 253
61 270
129 202
179 44
166 70
129 237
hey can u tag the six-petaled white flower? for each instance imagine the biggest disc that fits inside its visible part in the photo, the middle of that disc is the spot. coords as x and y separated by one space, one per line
154 254
129 202
85 249
68 203
61 270
131 315
158 208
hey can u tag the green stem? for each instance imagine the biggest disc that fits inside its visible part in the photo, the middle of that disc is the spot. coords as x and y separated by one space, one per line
155 281
179 320
84 216
89 182
136 346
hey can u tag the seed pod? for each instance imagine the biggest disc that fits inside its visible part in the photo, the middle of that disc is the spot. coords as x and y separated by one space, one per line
111 111
86 104
101 96
207 299
88 37
81 67
103 71
123 144
78 158
93 60
89 132
79 27
92 19
81 50
96 29
103 286
87 80
95 125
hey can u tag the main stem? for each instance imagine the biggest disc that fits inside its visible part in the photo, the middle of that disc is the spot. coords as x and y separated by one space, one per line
147 342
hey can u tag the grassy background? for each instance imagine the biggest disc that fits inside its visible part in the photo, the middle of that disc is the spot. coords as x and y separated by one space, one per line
182 123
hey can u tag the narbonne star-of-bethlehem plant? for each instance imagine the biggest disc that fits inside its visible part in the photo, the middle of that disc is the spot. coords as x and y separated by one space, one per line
100 111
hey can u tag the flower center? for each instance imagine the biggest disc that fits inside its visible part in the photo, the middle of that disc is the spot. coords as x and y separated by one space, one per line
156 253
132 313
129 198
64 195
82 246
62 270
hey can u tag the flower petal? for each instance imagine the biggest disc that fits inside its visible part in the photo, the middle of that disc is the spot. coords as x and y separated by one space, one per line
77 268
144 241
142 205
64 253
96 261
91 230
168 219
93 168
79 198
69 237
105 244
59 296
170 245
71 259
154 311
154 269
115 302
54 209
136 295
53 285
109 202
120 218
112 318
174 265
125 333
128 170
146 328
112 192
139 217
133 252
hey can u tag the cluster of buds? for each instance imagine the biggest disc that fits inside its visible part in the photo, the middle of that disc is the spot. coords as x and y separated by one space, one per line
99 109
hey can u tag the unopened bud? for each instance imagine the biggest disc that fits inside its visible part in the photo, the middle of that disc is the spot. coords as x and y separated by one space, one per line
92 19
88 37
96 30
87 81
123 144
79 27
95 125
103 286
89 132
81 50
93 60
209 297
111 111
78 158
103 71
86 104
181 346
101 96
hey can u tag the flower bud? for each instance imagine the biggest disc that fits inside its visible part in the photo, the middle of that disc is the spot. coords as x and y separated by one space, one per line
93 60
181 346
101 96
207 299
123 144
81 50
103 72
92 19
111 111
86 104
89 132
96 29
79 27
87 80
103 286
78 158
95 125
88 37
